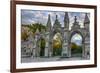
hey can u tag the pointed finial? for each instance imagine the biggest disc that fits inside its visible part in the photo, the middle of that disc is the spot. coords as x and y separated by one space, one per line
56 16
75 19
49 15
49 23
86 20
66 20
86 14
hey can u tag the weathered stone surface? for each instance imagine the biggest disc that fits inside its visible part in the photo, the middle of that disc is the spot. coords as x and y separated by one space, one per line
66 36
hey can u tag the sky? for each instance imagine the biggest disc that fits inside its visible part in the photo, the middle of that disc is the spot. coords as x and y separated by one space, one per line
77 38
37 16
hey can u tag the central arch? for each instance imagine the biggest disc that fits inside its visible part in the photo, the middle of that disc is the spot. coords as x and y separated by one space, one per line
57 44
76 43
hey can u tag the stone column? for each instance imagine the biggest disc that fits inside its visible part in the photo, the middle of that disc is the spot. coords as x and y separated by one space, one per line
87 47
47 44
33 56
83 51
65 50
86 54
37 37
35 45
46 49
69 51
65 44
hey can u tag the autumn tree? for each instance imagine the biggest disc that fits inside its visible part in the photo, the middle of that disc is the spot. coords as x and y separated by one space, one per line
24 35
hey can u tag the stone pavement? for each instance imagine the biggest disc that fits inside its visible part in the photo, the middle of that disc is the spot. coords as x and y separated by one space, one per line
38 59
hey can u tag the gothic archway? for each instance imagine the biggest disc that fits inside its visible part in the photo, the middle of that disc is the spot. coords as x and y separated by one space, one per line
42 47
57 44
76 44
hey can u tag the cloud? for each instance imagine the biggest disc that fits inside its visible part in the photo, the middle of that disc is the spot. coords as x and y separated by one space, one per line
80 18
77 38
34 16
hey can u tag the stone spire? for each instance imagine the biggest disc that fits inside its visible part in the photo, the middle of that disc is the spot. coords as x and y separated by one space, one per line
66 20
49 23
86 22
75 21
75 24
57 23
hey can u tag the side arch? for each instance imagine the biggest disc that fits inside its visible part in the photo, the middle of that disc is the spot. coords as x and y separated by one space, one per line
72 33
40 47
78 32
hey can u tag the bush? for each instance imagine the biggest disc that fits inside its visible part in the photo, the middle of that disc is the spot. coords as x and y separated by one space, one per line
75 48
24 35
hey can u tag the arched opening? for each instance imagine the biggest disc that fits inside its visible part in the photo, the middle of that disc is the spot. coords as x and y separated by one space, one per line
76 45
42 47
57 44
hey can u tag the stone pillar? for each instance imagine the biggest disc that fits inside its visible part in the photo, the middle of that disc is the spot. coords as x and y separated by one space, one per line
47 44
65 44
86 52
37 48
33 51
65 50
83 51
87 47
46 49
35 44
69 51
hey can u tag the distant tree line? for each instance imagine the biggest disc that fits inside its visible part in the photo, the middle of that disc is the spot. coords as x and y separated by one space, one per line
76 48
38 26
32 28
